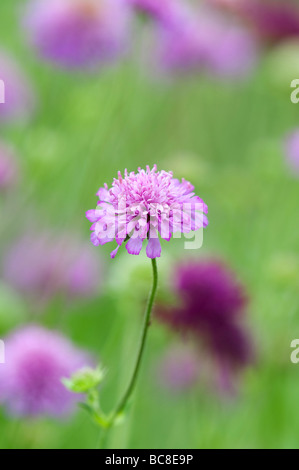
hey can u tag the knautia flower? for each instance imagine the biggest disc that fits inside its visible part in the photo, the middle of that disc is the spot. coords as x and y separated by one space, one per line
18 100
210 306
141 206
8 168
79 33
273 21
31 379
43 266
231 51
201 41
179 42
292 152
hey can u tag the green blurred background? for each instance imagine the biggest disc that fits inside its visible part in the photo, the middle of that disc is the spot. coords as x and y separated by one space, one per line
226 138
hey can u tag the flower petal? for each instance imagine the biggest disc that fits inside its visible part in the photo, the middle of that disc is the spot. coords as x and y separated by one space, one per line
103 195
114 252
153 249
94 239
92 215
134 246
103 240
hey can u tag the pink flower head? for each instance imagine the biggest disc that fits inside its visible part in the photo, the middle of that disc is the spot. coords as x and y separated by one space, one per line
203 41
79 33
17 101
8 168
178 40
43 266
231 51
36 361
143 206
292 152
273 21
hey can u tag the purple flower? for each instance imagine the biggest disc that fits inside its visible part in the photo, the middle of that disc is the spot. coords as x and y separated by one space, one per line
202 41
230 51
273 21
178 41
30 380
210 307
141 206
44 266
8 168
292 152
178 369
17 101
79 33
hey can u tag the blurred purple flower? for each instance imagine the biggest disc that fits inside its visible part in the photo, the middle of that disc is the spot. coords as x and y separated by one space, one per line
230 51
45 266
273 21
292 151
79 33
203 42
30 380
180 44
8 168
141 206
210 306
178 370
19 99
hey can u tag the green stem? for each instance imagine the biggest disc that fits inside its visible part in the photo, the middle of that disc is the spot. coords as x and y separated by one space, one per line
147 317
130 389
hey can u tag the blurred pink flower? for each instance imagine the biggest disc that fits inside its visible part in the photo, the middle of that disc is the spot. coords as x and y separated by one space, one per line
36 361
19 100
203 41
44 266
79 33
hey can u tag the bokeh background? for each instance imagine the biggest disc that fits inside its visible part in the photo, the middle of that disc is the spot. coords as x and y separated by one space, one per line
226 134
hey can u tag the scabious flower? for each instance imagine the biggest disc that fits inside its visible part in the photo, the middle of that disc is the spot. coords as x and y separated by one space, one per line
292 152
210 307
79 33
141 206
43 266
202 41
179 43
273 21
18 96
231 51
8 168
30 380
